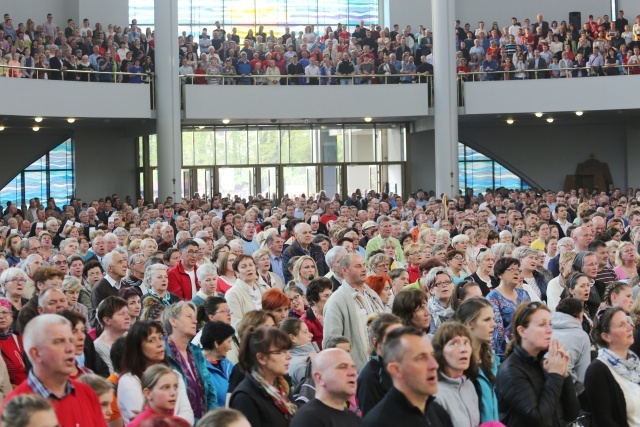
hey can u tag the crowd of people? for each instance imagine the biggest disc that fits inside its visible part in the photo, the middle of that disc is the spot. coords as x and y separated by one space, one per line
364 54
498 308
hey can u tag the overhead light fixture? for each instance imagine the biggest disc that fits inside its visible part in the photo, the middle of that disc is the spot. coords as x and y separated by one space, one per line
226 121
579 113
38 119
367 119
510 121
538 115
71 120
36 128
550 120
200 127
1 128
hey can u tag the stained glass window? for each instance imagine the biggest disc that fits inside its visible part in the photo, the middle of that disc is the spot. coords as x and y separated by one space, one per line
52 175
193 15
479 172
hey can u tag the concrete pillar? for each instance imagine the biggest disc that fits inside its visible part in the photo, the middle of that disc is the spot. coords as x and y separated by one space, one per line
445 93
167 91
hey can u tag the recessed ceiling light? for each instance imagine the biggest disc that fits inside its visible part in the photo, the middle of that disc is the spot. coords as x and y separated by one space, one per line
579 113
200 127
538 114
38 119
550 120
1 128
36 128
226 121
367 119
71 120
510 121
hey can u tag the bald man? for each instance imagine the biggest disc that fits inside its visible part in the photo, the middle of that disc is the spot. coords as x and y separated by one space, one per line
599 224
334 373
582 237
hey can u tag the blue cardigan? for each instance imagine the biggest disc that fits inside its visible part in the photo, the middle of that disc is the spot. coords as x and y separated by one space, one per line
220 378
201 365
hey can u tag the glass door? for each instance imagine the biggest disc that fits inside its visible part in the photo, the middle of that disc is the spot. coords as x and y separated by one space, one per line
300 180
269 182
332 180
236 181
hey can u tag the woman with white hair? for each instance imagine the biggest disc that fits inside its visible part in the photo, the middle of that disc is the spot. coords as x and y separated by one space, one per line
13 282
208 279
71 287
267 278
461 242
157 281
534 282
148 246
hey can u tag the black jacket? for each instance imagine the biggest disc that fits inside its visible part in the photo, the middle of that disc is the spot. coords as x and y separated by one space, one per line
483 287
605 397
373 383
528 396
254 402
394 410
295 249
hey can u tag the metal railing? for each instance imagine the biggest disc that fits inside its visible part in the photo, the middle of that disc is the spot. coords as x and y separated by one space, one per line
82 76
544 73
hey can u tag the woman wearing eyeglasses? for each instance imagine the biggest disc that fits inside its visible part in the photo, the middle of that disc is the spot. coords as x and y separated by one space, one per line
612 381
11 345
263 395
532 390
504 299
440 283
455 262
485 260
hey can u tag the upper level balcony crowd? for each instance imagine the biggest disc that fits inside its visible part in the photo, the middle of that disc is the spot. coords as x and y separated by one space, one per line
364 54
314 310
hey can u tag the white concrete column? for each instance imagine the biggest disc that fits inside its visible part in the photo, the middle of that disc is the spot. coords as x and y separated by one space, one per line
445 93
167 95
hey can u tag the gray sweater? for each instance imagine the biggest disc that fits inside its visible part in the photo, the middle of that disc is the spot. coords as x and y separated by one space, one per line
459 398
568 331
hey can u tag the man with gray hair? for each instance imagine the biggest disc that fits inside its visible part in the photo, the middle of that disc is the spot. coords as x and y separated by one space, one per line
49 345
115 267
275 243
333 258
347 309
30 266
304 246
51 301
385 228
135 273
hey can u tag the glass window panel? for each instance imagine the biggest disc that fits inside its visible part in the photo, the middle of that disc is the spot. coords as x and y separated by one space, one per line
61 157
330 13
184 12
299 180
141 184
394 178
12 192
61 186
236 181
330 145
284 146
39 164
461 152
300 146
204 147
142 10
155 183
153 151
480 175
365 10
270 12
141 152
35 185
221 153
240 13
269 146
187 148
391 145
236 146
361 147
252 143
302 13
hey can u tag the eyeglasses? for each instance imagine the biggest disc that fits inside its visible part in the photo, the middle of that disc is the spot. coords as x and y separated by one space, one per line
513 270
192 252
530 307
5 314
225 311
16 280
458 257
442 284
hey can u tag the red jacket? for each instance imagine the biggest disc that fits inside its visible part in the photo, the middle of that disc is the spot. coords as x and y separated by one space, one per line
180 282
315 327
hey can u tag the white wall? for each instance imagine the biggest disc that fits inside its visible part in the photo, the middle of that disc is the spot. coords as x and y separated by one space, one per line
416 12
353 102
105 12
549 95
75 99
105 162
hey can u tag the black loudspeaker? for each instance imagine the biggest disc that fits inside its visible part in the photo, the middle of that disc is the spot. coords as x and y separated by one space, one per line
575 18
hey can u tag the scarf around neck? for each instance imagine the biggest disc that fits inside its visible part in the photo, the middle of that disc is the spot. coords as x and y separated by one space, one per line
278 393
628 368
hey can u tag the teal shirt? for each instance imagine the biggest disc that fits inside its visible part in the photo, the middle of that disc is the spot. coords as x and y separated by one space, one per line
488 399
